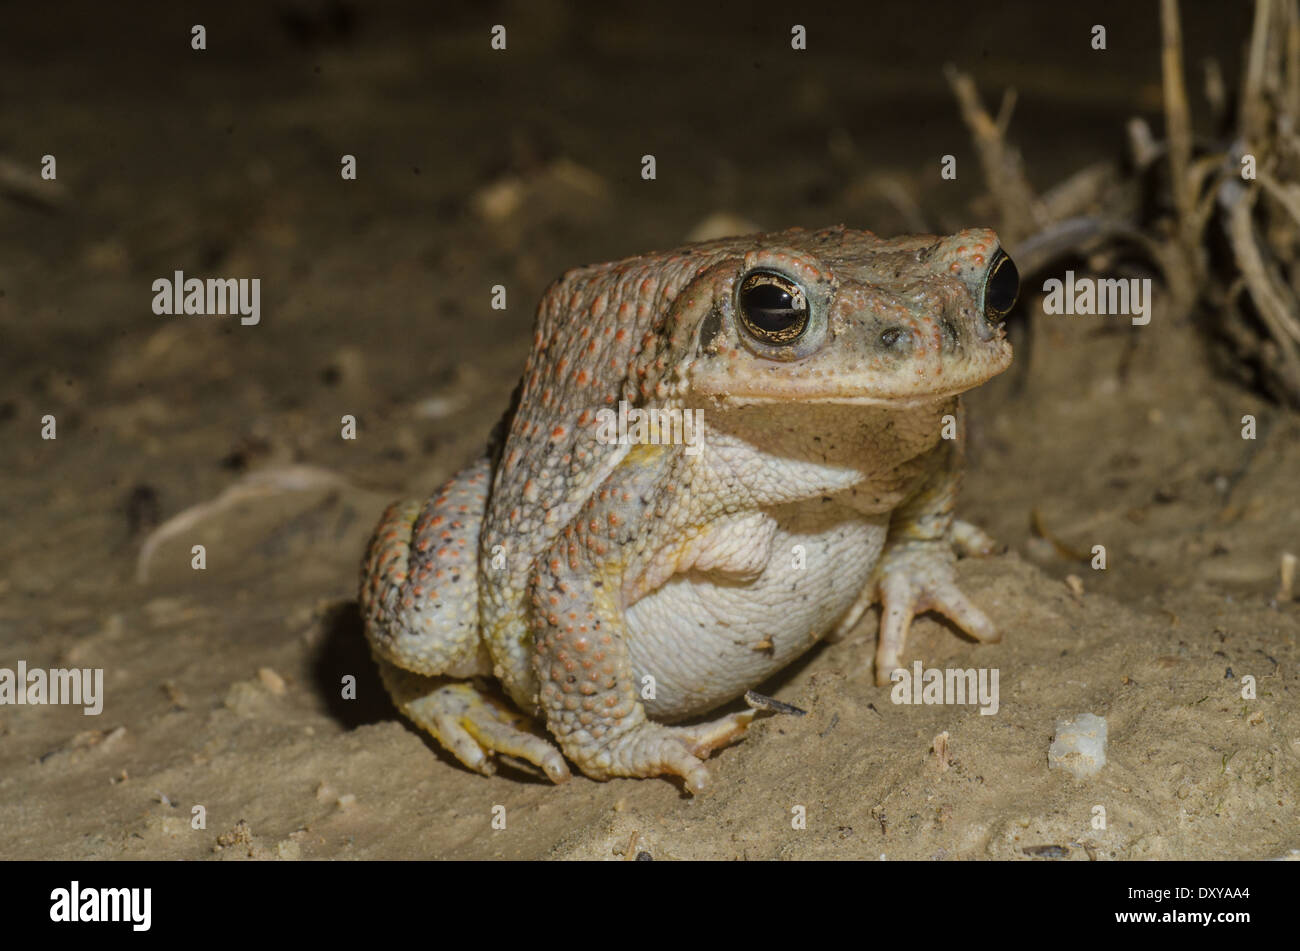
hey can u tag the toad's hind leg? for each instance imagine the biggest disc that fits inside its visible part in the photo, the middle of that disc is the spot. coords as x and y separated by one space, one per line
419 601
469 723
419 580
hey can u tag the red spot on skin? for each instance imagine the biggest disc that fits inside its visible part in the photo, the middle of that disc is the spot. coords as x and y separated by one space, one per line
557 432
583 378
621 335
978 258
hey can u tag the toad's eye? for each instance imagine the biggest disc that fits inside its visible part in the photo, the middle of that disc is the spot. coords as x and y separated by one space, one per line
1001 287
773 308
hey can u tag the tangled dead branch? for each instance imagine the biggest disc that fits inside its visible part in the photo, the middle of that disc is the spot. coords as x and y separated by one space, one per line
1219 220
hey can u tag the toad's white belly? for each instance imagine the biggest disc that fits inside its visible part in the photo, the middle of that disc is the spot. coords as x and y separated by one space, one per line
701 636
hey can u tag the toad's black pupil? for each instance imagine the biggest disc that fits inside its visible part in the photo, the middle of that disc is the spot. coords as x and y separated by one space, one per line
1003 286
770 307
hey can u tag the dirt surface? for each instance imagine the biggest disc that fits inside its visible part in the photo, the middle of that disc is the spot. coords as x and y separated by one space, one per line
224 687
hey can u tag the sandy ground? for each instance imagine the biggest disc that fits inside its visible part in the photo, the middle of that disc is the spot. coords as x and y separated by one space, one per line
224 685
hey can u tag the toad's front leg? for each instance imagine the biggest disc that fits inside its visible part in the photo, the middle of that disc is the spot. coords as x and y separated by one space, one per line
917 571
588 688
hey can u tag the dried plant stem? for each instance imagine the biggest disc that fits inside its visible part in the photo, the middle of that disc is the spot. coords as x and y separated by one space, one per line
1178 126
1276 305
1003 171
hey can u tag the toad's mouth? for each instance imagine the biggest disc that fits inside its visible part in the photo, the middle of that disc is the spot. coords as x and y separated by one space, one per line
913 387
899 402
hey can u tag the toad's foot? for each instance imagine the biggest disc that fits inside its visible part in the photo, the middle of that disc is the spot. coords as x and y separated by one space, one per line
652 749
968 539
917 576
470 724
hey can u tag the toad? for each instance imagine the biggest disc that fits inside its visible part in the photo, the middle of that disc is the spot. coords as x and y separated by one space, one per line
617 582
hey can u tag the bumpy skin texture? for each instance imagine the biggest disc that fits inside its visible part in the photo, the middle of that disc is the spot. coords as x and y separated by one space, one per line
613 589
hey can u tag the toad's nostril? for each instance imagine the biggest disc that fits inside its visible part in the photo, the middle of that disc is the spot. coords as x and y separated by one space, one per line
891 339
950 335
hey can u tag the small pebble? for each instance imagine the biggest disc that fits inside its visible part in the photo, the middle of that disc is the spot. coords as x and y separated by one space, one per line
271 681
1079 746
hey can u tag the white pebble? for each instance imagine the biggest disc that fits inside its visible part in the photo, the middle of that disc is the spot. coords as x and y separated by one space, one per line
1080 745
